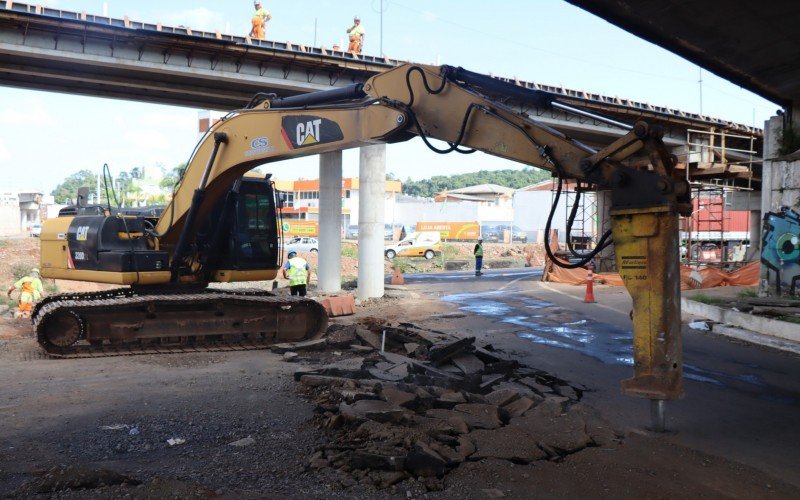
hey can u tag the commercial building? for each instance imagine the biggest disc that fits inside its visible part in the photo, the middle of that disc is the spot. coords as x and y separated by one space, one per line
301 200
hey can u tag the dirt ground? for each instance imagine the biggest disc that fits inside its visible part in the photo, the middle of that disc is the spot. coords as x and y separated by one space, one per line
238 425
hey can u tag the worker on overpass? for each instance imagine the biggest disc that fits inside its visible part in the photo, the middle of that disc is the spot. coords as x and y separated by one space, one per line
357 34
298 272
30 291
259 21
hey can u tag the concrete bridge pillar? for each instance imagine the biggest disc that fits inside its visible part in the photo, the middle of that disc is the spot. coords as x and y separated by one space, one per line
371 208
329 268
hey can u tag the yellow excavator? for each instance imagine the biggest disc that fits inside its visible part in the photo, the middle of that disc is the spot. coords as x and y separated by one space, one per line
221 226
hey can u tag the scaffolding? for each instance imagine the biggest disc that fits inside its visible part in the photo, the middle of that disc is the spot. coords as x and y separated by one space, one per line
589 222
713 235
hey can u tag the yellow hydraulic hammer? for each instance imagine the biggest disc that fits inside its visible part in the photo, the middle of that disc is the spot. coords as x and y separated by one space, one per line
646 245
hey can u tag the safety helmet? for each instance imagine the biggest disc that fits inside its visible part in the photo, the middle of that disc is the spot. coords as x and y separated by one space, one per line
35 270
256 3
356 19
292 253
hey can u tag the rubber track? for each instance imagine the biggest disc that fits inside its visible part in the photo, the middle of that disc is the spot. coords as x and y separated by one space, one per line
126 296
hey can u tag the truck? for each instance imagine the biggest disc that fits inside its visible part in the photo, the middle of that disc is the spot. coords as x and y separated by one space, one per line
453 231
426 244
223 227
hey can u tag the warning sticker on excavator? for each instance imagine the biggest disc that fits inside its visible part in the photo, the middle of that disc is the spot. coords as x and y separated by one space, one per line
307 130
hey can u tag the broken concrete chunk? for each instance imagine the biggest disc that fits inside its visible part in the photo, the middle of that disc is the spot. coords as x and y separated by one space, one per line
476 398
411 347
243 442
384 479
488 381
479 416
423 461
340 336
451 456
519 407
566 391
449 400
396 397
308 345
379 411
468 363
321 380
370 338
353 395
535 385
290 356
465 447
507 443
563 432
64 478
386 376
441 352
361 348
601 431
366 460
459 424
502 397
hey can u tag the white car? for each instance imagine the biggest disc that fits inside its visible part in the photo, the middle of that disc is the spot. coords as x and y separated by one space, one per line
36 230
302 244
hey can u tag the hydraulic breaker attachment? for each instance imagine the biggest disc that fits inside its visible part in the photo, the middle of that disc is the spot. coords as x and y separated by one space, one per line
646 244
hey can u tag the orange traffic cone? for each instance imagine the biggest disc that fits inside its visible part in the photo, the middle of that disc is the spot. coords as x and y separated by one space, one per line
589 297
397 278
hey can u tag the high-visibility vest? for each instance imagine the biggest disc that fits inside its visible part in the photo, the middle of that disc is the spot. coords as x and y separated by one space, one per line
478 250
30 289
297 271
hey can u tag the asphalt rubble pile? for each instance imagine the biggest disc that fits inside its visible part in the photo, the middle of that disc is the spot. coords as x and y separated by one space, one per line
415 403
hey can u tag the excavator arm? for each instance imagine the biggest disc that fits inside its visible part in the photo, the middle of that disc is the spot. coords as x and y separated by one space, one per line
468 112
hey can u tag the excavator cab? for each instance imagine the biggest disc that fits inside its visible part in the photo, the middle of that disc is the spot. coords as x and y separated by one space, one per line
242 231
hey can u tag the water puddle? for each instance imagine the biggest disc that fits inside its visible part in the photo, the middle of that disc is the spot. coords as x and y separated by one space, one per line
603 342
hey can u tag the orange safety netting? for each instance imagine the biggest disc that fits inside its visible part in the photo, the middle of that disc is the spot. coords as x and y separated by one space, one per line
747 275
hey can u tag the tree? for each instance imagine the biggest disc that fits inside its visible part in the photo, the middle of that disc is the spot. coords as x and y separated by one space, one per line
508 178
170 179
67 191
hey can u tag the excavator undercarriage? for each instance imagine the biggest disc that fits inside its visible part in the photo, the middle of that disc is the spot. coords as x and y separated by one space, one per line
125 321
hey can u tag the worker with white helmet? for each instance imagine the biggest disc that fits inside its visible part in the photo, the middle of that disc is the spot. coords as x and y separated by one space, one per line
357 34
30 291
259 21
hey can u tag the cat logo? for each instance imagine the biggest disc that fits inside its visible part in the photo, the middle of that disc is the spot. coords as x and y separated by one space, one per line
307 130
82 233
308 133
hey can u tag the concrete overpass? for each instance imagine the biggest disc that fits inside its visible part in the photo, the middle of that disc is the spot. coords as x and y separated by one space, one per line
80 53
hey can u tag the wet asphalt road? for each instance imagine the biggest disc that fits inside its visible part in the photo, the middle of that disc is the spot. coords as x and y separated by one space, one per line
742 401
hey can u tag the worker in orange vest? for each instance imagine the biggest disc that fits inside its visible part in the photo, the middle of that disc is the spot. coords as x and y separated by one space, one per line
357 34
259 21
30 291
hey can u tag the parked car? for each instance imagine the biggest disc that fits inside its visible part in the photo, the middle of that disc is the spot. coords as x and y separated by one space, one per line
36 230
518 235
301 244
351 233
426 244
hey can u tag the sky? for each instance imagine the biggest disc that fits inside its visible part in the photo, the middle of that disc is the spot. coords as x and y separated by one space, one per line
45 137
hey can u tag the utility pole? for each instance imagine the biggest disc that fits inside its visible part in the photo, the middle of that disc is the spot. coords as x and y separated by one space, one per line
315 32
381 28
700 83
